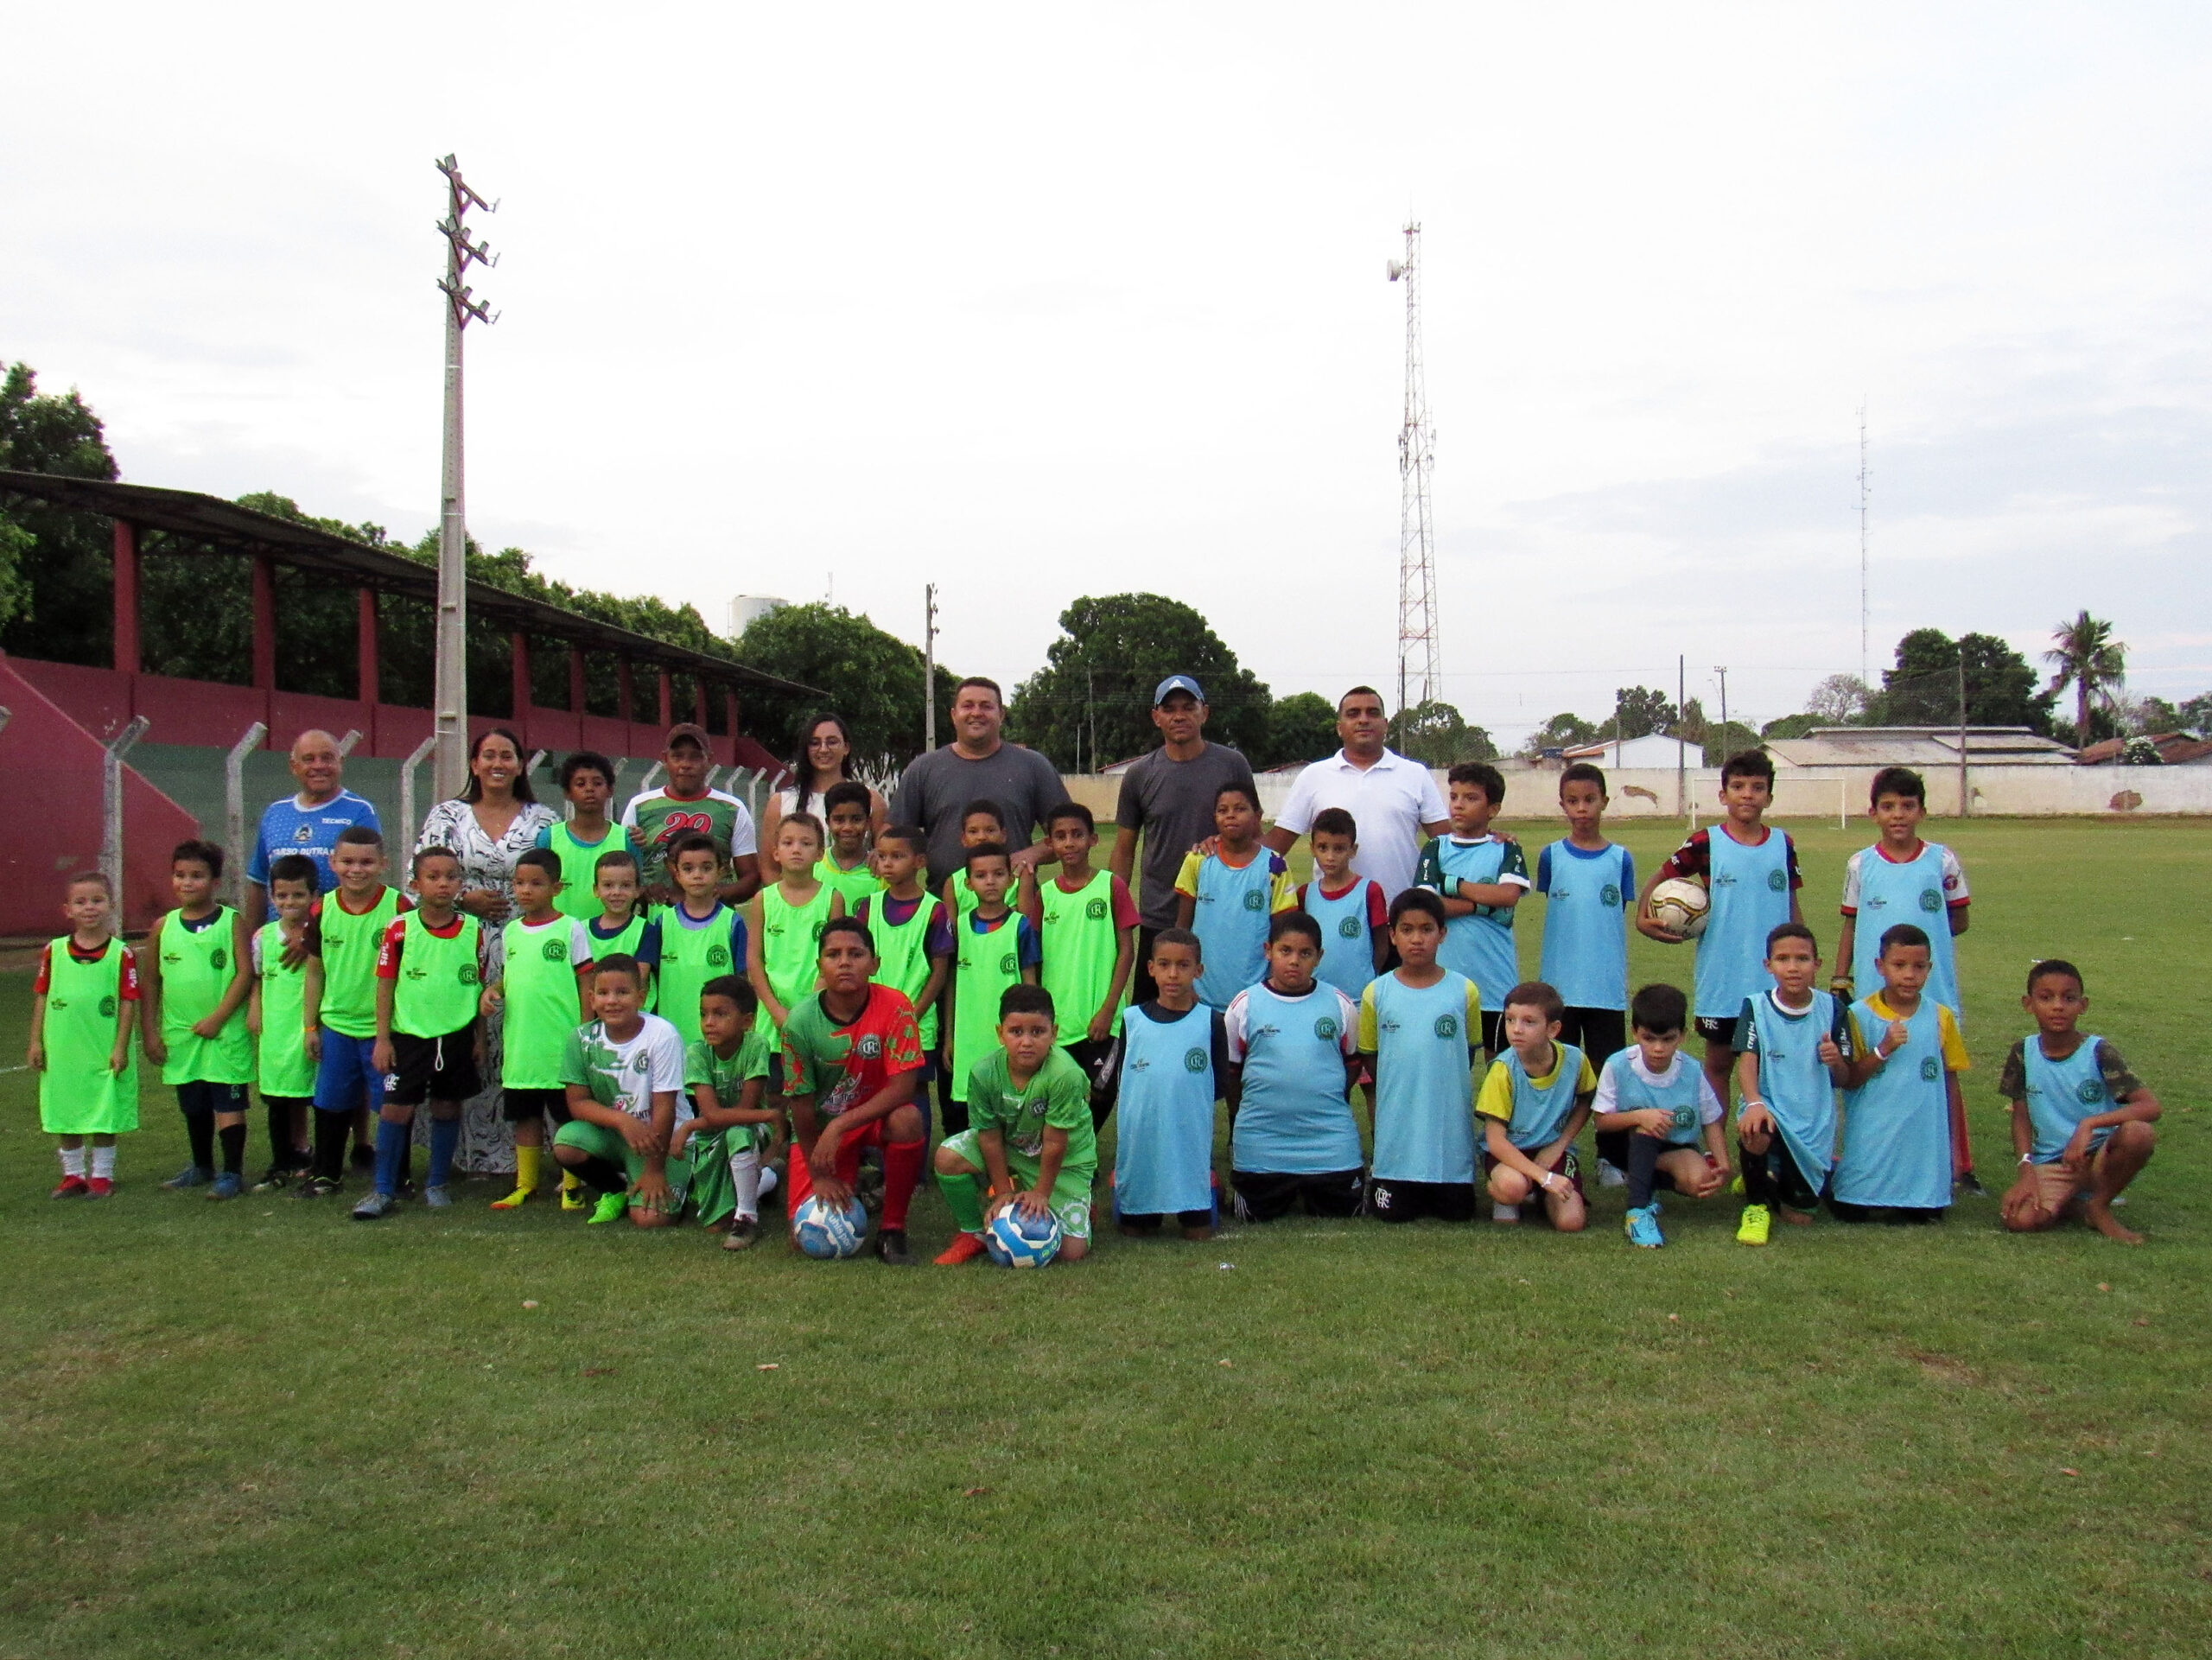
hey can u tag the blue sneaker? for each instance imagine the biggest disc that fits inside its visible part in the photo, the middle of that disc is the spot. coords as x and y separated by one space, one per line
191 1176
437 1199
1642 1228
226 1186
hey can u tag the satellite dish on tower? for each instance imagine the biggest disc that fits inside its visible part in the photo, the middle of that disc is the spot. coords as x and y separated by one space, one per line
1396 270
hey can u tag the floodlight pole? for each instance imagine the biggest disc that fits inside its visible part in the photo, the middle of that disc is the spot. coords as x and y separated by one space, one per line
929 667
449 696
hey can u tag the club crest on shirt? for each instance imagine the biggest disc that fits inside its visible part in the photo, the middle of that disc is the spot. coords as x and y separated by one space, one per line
868 1046
302 834
107 1008
717 957
1194 1060
1929 1071
1255 900
1095 910
1447 1025
219 959
1931 900
1609 896
1348 928
2088 1092
1685 1117
555 951
1777 881
1006 964
1326 1028
469 975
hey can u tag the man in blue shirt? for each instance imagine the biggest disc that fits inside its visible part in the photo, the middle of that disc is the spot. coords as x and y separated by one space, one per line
307 823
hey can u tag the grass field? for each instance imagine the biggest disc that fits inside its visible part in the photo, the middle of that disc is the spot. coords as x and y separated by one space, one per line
259 1428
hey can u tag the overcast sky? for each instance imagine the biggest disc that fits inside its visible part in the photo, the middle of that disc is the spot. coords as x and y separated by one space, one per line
1038 301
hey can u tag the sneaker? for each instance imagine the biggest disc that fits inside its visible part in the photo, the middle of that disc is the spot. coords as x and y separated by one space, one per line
1758 1221
229 1184
1610 1174
572 1198
191 1176
742 1234
275 1181
1966 1186
1506 1213
1736 1186
72 1187
365 1156
891 1245
375 1205
964 1248
1642 1228
316 1187
437 1198
515 1200
99 1187
609 1209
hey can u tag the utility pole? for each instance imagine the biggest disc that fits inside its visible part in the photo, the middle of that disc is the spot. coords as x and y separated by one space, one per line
1682 743
929 667
1866 488
1965 796
1721 669
1417 661
450 699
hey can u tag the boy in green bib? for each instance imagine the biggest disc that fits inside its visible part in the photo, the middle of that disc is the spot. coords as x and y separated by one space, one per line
847 866
344 936
429 975
84 1006
913 934
993 947
275 1015
586 779
623 925
199 973
544 991
730 1134
702 936
1087 930
783 959
980 826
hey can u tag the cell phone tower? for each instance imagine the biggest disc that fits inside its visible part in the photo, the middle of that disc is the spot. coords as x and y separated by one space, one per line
1420 678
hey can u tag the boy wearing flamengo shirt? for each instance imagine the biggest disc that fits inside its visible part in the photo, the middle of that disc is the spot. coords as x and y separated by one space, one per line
1421 1022
1291 1133
1749 870
545 990
1225 897
702 938
1480 878
1087 935
339 1005
201 973
993 947
1796 1054
275 1014
912 937
587 780
430 972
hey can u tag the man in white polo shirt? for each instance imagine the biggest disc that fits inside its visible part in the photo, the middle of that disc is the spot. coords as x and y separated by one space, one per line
1393 800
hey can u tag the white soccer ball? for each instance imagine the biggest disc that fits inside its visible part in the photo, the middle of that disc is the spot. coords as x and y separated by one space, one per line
1681 906
1018 1241
823 1232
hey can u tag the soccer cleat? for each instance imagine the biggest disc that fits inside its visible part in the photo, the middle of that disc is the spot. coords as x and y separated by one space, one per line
964 1248
316 1187
191 1176
274 1180
229 1184
70 1187
1758 1221
609 1209
1736 1186
1610 1174
572 1194
1642 1228
742 1234
437 1198
515 1200
375 1205
99 1187
891 1245
1964 1184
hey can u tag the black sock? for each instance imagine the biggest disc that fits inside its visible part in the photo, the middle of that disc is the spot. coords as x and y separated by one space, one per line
1643 1152
233 1140
331 1130
199 1127
603 1174
1758 1182
280 1131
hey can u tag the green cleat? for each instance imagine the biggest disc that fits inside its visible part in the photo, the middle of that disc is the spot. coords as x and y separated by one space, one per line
609 1209
1757 1223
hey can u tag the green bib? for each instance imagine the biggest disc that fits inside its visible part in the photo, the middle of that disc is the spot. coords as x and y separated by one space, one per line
689 958
349 962
540 1010
791 943
1080 943
439 980
855 884
579 896
624 943
984 965
77 1094
196 970
285 1068
903 958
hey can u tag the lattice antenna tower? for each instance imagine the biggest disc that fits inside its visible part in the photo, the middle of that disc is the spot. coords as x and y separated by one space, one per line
1865 492
1420 678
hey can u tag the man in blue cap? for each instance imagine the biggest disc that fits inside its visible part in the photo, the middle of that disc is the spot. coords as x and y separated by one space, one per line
1167 797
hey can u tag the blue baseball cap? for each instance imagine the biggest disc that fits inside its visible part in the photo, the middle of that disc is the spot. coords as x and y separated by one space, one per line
1174 683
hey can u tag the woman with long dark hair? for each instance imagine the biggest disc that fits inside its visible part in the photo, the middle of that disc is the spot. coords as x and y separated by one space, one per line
822 756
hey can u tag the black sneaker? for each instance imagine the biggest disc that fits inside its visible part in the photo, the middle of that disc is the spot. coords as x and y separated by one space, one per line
316 1187
275 1181
1966 1185
742 1234
891 1245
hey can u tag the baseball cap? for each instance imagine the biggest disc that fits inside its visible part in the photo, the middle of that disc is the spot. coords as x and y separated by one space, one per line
1174 683
685 730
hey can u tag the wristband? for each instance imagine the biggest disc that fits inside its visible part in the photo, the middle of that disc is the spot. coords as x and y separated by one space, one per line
1761 1105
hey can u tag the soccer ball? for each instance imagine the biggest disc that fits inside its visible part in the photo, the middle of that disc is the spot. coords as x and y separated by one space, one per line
823 1232
1681 907
1018 1241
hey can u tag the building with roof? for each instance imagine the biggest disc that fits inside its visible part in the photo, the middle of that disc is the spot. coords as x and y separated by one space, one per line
2175 749
1923 748
1653 749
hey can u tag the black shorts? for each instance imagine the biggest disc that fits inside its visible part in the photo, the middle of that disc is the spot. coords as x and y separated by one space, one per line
1897 1216
1095 1059
194 1098
1490 1018
528 1106
1600 1034
432 1069
1263 1195
1410 1201
1714 1030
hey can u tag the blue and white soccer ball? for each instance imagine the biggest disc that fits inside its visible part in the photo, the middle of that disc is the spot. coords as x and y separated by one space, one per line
823 1232
1018 1241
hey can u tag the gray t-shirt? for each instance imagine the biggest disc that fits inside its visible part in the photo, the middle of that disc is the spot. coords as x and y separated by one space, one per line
1170 802
936 787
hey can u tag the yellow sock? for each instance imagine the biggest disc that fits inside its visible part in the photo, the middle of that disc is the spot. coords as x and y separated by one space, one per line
572 1191
527 1164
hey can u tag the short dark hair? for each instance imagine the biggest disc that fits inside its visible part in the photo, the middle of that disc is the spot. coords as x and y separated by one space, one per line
1358 692
1025 999
543 859
694 841
1903 933
736 987
804 821
1898 780
196 851
1658 1008
1782 930
619 962
980 680
844 925
1583 772
583 761
1180 937
1417 899
1244 790
1748 763
985 850
1294 922
434 851
2052 968
1483 774
619 856
360 835
988 808
1537 994
906 835
846 792
295 868
1334 821
1074 810
88 878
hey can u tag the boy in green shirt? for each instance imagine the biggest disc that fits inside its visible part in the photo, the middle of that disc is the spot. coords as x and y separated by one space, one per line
84 1004
729 1138
1029 1106
623 925
846 866
702 936
544 991
587 780
993 947
783 957
274 1014
624 1073
199 973
1087 940
345 934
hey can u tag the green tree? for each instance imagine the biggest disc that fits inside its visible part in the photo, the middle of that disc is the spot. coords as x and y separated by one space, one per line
1435 734
1638 712
1091 702
2196 715
871 677
1301 727
1922 690
1726 738
56 566
2084 657
1565 730
1792 726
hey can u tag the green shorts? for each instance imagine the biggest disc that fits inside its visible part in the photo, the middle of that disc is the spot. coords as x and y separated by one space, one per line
714 1191
1070 1195
602 1142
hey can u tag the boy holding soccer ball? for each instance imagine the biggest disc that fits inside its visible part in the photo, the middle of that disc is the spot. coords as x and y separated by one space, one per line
1029 1130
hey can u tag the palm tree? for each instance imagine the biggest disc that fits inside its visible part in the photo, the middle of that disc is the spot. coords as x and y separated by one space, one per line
2091 661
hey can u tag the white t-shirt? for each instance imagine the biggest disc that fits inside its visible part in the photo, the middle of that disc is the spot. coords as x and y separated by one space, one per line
1708 1103
1389 802
626 1076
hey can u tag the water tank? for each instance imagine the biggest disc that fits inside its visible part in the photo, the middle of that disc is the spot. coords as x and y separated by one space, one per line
749 608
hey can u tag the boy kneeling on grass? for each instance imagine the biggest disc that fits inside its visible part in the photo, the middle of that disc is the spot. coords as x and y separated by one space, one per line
1534 1102
1669 1105
2081 1120
624 1073
729 1138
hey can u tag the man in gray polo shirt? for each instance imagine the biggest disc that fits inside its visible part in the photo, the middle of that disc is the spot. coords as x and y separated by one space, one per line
978 765
1167 798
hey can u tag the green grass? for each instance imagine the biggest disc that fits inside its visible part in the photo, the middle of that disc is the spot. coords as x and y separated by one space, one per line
259 1428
